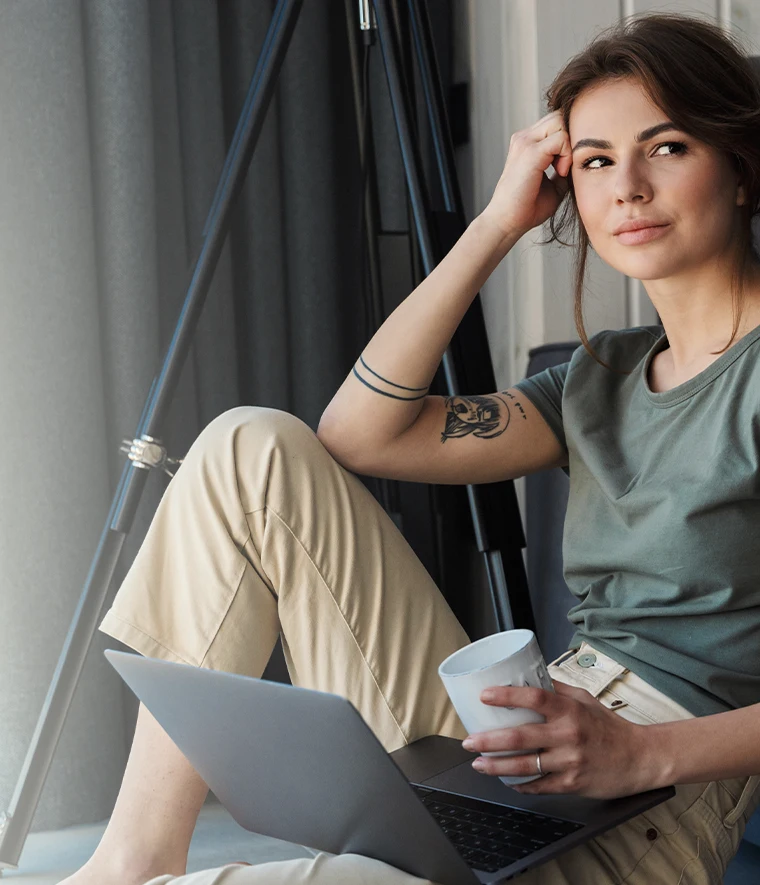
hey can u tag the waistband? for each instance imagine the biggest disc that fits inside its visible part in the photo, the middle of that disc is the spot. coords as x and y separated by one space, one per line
595 671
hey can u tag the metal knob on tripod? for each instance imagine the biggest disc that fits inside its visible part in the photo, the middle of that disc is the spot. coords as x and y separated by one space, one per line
147 453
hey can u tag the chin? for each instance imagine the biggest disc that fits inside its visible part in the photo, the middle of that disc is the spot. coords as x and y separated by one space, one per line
642 267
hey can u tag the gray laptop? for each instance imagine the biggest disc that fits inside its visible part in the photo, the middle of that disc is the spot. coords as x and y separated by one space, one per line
303 766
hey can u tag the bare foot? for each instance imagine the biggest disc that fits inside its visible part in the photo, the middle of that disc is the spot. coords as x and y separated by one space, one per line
94 874
88 875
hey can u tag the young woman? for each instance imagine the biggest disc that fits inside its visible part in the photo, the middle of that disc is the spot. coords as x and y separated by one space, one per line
654 138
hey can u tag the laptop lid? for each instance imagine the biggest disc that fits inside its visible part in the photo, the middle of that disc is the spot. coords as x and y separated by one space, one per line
303 766
295 764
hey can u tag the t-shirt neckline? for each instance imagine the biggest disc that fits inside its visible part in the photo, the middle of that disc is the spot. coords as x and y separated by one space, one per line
683 391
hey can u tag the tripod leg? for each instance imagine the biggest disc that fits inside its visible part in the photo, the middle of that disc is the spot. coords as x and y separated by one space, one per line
15 824
484 501
386 490
503 540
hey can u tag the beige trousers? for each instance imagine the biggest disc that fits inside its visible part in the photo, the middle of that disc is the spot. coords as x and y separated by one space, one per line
261 532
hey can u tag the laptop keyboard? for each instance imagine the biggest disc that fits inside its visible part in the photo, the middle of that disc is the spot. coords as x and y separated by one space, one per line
490 840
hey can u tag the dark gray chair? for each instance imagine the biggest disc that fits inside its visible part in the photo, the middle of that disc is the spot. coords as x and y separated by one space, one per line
546 496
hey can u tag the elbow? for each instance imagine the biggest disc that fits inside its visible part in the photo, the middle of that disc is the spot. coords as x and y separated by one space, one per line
335 439
326 431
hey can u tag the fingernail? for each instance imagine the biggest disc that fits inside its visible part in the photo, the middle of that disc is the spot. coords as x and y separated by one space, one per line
468 743
479 764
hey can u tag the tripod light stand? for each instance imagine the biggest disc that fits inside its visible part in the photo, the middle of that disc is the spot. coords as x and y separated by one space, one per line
493 507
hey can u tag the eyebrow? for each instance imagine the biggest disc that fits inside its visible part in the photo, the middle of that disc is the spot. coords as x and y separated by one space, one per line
645 135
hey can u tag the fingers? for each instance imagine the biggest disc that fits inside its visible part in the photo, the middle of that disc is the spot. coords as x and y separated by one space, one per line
513 766
519 696
525 195
559 143
553 148
551 117
551 130
523 737
577 693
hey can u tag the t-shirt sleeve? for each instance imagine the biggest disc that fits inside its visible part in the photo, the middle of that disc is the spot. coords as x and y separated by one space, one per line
544 390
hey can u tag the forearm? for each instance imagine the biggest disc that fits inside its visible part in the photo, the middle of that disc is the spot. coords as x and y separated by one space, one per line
407 349
708 748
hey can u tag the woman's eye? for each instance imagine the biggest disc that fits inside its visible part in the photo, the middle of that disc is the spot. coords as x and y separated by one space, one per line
678 145
680 148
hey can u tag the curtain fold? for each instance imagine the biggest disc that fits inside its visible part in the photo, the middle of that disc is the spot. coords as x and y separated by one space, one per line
114 125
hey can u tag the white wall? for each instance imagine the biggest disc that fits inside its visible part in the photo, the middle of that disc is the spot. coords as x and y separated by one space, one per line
515 48
509 51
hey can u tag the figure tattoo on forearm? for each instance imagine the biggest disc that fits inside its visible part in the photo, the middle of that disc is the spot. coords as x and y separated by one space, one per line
485 415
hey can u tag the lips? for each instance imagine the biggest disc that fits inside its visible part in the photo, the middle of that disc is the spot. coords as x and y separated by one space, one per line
639 224
640 235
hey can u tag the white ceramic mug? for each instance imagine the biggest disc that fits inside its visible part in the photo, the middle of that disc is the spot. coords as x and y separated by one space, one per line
509 658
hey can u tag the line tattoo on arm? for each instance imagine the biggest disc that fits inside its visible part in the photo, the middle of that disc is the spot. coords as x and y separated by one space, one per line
392 383
486 416
386 381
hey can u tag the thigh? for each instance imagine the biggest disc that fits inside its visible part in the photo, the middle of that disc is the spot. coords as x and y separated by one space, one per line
360 616
262 532
689 839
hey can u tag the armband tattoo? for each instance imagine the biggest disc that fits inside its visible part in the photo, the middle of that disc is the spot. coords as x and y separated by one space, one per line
392 384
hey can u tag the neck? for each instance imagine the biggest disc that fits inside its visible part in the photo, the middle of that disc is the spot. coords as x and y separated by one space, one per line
698 314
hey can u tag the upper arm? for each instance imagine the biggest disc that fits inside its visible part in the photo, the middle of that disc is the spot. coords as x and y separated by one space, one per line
466 440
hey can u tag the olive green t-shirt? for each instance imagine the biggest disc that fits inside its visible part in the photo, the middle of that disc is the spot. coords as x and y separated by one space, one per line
661 541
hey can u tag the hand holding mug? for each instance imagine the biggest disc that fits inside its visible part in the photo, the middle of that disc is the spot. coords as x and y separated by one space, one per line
587 749
502 692
511 658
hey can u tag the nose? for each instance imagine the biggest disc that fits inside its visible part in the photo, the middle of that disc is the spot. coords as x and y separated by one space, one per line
631 182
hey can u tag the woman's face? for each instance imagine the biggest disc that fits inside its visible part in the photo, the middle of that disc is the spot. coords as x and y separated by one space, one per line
668 178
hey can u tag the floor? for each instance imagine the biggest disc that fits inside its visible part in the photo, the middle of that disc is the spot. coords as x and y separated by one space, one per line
49 857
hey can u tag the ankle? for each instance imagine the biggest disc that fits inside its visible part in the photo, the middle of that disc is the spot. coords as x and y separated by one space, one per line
133 868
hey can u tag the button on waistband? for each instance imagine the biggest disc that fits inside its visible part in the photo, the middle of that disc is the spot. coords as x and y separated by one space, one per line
587 660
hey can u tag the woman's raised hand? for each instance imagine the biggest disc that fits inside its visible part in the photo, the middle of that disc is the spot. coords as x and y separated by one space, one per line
525 196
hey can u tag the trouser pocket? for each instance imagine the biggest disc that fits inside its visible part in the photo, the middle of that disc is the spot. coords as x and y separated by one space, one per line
748 799
719 817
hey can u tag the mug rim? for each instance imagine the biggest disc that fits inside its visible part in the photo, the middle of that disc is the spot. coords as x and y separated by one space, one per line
529 635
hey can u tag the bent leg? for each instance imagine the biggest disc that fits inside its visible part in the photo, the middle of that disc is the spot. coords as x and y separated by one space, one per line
261 531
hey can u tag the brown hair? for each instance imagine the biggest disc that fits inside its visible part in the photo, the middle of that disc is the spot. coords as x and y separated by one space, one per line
703 80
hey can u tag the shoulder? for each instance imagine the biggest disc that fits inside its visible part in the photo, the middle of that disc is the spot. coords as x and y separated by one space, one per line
621 348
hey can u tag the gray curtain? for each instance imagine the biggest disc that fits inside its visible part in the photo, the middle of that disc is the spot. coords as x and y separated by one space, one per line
115 122
115 116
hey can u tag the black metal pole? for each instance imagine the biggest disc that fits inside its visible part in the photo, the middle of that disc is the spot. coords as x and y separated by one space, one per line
15 823
503 538
432 252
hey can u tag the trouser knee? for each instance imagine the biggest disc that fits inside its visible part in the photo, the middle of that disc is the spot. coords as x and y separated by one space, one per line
257 429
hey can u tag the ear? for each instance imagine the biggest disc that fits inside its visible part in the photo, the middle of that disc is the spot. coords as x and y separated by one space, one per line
741 196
